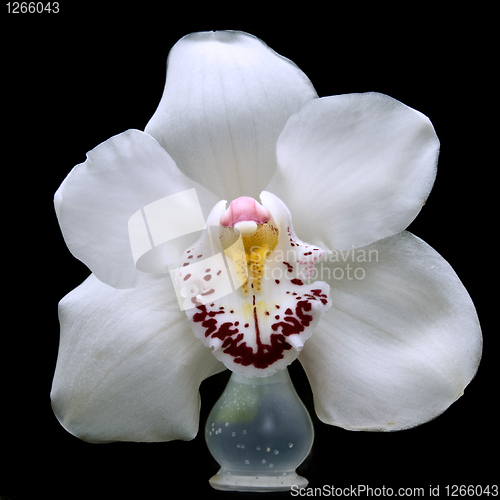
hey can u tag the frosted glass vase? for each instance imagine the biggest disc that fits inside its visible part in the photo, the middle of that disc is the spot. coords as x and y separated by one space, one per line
259 432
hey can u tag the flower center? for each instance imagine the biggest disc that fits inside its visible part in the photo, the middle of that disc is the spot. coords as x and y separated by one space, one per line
247 218
244 209
257 248
253 302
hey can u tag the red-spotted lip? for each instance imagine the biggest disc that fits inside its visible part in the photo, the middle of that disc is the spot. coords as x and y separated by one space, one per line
242 209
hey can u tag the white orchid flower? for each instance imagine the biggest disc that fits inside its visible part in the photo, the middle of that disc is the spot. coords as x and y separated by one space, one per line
386 333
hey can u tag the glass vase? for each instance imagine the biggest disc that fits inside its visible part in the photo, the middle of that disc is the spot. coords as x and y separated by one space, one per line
259 432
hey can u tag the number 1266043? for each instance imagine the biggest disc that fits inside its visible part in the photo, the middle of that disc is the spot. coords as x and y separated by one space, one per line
32 7
455 490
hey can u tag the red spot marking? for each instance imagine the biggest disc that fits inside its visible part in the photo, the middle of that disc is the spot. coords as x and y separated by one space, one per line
218 274
187 277
208 277
308 253
209 292
277 282
185 264
207 270
267 313
256 323
293 325
297 282
199 256
209 324
232 339
227 342
277 316
289 266
304 305
319 294
224 332
190 256
233 344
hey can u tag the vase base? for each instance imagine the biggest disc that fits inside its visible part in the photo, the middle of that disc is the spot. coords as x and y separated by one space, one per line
226 481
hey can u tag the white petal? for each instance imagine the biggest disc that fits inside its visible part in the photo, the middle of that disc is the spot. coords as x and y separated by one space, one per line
128 367
355 168
259 327
400 342
96 200
227 97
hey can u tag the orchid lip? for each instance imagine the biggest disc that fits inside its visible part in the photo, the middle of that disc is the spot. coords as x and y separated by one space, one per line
260 326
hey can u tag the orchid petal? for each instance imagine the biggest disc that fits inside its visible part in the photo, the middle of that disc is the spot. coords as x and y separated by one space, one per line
355 168
128 369
96 200
259 326
227 97
400 343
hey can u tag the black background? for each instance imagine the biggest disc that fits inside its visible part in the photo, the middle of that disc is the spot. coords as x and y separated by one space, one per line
72 80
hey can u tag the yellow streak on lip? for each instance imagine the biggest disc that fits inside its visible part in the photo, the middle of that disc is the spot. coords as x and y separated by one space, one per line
257 247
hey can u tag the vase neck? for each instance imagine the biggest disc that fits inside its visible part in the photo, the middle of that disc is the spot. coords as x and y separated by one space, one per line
280 377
